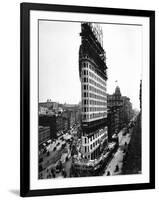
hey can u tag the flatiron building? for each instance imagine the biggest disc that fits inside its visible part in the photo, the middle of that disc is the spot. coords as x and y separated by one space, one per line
93 76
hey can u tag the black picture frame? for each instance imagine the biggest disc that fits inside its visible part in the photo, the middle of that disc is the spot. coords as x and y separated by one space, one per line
25 9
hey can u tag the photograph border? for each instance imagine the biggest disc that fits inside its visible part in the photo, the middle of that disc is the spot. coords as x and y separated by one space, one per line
25 9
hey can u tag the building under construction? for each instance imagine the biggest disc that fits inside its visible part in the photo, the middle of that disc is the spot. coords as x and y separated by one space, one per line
93 76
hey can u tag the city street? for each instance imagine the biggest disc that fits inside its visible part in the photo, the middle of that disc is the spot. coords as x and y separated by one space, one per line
113 168
117 159
59 153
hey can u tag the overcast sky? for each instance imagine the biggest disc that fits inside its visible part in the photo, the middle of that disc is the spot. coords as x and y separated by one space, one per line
59 53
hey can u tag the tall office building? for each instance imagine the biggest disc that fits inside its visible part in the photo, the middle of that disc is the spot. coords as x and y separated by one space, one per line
93 76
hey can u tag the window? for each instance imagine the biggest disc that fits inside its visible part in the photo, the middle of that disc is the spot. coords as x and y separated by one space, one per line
84 117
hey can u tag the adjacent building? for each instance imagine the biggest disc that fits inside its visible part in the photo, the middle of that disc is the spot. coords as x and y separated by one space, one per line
93 76
115 104
120 112
49 120
56 123
127 111
44 134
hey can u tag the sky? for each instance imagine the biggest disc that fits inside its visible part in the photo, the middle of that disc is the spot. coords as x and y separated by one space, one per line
59 54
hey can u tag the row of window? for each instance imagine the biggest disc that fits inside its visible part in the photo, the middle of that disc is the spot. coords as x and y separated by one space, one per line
91 88
93 109
85 72
96 78
85 87
91 146
91 81
91 95
98 103
93 115
115 99
93 102
91 67
115 104
85 102
96 135
95 143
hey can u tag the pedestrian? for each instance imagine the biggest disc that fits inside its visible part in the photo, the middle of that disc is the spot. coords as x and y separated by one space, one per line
64 174
108 173
116 168
52 171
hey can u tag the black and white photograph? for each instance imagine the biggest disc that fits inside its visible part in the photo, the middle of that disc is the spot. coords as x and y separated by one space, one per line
89 91
90 108
79 111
